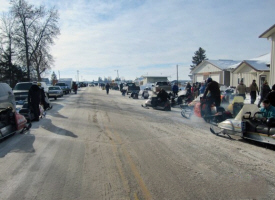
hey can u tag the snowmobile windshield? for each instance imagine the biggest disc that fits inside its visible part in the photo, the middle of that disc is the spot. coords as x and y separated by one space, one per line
23 86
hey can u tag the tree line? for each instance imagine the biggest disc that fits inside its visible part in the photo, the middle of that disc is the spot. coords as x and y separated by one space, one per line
27 33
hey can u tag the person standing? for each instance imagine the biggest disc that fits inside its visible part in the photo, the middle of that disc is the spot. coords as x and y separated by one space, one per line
241 89
107 87
75 87
34 98
253 91
265 90
271 96
121 86
202 88
175 89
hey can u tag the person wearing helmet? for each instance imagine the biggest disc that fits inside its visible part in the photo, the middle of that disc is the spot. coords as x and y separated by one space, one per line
213 93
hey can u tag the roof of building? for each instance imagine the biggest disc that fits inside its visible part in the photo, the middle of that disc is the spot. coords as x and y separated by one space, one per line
268 32
266 58
260 63
221 64
155 76
224 64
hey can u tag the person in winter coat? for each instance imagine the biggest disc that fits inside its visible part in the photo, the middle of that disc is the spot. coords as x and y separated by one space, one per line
175 89
271 96
202 88
188 88
265 90
75 87
253 91
121 86
163 95
107 87
268 110
241 89
213 93
34 98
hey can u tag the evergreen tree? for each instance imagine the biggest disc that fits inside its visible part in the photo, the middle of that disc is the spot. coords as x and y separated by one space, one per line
53 78
198 57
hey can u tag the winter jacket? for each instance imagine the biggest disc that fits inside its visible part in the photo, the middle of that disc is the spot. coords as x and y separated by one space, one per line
34 95
175 88
241 89
214 89
269 112
271 97
202 89
254 87
265 90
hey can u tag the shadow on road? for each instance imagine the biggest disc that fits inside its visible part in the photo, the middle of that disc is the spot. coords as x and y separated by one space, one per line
19 144
49 126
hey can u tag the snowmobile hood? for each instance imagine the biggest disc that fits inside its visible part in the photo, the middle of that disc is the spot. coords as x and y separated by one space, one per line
231 125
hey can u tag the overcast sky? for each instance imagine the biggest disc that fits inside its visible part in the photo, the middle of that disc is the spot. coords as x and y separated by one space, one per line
139 37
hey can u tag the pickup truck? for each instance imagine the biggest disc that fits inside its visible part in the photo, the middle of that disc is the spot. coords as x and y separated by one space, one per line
130 88
64 87
162 85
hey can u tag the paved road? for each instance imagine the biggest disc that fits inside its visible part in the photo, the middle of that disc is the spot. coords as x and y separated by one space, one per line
94 146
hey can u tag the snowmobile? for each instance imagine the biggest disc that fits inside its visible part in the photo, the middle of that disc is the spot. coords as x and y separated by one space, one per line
216 115
12 122
156 104
248 124
186 107
182 98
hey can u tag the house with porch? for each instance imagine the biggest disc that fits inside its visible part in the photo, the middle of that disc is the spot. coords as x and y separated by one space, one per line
248 70
218 70
270 34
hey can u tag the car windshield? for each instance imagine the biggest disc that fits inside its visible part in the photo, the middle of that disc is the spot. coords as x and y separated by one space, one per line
54 88
61 84
23 86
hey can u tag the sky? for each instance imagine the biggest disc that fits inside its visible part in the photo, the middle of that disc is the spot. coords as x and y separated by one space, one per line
139 37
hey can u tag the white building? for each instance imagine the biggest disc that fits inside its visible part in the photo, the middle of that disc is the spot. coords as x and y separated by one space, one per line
153 79
249 70
270 34
218 70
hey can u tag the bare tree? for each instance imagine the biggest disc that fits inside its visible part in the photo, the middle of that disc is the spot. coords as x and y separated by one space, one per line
7 45
42 62
36 29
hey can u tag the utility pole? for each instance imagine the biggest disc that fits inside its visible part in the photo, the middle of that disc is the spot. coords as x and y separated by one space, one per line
59 74
78 76
117 73
177 75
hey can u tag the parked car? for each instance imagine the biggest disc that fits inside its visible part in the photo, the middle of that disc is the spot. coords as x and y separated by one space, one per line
64 87
21 90
55 92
